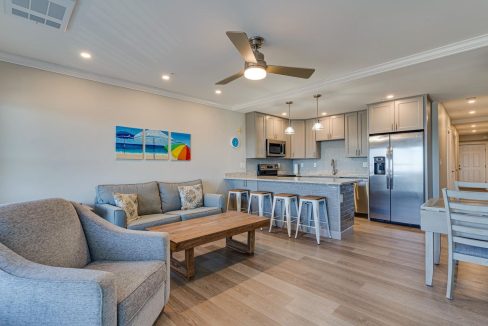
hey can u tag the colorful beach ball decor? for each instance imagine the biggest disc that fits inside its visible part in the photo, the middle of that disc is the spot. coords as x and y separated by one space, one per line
180 146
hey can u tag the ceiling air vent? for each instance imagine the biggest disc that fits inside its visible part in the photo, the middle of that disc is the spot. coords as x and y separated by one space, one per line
55 13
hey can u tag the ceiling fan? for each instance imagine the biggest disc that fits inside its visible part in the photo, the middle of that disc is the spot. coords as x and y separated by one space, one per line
255 68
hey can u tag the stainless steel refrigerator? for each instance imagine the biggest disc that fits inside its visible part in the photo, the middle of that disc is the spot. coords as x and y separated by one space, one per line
396 177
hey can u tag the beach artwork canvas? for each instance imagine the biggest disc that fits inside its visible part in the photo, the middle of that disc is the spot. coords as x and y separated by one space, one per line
180 146
156 144
129 143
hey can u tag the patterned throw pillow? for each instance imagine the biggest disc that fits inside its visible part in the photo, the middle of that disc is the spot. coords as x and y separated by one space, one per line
191 196
128 202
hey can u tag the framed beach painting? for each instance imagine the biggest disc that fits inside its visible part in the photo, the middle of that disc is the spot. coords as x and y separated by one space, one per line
129 143
156 142
180 146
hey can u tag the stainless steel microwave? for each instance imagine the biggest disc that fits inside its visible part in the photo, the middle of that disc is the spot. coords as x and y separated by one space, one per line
275 148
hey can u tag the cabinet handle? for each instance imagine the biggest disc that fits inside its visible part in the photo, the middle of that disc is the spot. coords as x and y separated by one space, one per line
396 126
392 129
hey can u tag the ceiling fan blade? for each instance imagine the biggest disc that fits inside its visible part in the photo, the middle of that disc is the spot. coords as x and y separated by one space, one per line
291 71
241 42
231 78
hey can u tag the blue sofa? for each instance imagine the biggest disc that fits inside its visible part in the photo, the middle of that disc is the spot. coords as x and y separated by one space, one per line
159 203
61 264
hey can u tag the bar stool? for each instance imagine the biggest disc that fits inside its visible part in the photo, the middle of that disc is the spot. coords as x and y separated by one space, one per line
315 202
285 202
238 194
261 196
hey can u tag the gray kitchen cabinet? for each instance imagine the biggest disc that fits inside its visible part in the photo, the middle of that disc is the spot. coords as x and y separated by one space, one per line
312 147
297 140
399 115
356 134
333 128
409 114
275 128
255 135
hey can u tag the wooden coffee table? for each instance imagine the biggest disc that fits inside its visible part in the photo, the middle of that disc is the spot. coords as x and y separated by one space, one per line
186 235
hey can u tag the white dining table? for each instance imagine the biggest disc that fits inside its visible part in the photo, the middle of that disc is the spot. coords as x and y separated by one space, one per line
434 222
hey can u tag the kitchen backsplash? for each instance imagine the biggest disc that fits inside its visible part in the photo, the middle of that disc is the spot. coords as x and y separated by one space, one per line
329 150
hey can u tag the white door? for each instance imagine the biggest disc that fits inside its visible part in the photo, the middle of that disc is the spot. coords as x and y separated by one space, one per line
473 162
451 159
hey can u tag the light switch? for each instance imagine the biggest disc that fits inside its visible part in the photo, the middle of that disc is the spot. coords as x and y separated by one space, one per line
314 164
301 165
365 164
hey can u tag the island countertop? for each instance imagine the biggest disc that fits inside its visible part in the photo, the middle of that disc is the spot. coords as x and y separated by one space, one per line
310 180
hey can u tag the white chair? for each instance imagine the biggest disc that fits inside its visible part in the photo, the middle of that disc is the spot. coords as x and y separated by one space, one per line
238 196
467 213
261 196
471 186
285 201
315 202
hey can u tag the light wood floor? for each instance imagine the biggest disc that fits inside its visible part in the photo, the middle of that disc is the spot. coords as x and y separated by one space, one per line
374 277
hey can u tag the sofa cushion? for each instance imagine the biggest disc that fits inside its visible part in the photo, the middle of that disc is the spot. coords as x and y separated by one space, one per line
147 195
170 196
188 214
146 221
128 202
47 232
135 281
191 196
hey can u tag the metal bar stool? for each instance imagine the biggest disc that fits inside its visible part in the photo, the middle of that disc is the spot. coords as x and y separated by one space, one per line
238 195
261 196
285 202
315 202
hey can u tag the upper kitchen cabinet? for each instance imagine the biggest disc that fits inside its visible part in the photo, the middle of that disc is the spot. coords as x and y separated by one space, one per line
333 128
400 115
255 135
297 140
312 147
356 125
275 128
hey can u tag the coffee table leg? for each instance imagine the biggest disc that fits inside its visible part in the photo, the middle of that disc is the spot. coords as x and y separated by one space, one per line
187 268
247 248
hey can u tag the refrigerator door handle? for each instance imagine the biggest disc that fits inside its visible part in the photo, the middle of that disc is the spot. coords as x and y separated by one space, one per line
391 168
388 181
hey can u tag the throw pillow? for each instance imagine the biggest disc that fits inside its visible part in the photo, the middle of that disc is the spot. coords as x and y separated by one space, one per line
191 196
128 202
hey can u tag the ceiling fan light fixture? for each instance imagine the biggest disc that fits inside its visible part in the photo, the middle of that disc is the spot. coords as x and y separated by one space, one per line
255 73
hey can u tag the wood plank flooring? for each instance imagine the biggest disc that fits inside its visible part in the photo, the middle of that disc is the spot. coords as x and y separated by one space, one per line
373 277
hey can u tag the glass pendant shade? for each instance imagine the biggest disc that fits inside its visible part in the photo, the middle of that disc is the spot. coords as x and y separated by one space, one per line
317 126
289 130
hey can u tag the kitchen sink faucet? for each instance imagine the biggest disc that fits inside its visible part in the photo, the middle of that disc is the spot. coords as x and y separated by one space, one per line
333 164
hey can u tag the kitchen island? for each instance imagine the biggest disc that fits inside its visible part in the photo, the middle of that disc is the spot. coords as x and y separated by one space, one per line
338 191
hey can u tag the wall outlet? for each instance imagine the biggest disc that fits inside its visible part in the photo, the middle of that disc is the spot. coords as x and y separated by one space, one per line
279 165
365 164
314 164
243 165
301 165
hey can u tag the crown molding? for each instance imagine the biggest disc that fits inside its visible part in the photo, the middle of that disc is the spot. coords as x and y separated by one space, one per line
52 67
477 119
429 55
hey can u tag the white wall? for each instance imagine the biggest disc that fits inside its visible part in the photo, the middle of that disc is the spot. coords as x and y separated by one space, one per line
57 136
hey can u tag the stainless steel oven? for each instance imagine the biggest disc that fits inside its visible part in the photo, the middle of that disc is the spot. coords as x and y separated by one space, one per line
275 148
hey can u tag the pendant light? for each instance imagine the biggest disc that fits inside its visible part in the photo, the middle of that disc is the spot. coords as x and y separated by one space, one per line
289 130
317 125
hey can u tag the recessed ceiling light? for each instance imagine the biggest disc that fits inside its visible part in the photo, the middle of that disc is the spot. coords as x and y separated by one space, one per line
284 113
166 77
471 100
473 126
324 113
389 96
218 91
473 130
85 55
472 112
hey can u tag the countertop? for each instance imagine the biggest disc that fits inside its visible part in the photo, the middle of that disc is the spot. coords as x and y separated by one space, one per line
311 180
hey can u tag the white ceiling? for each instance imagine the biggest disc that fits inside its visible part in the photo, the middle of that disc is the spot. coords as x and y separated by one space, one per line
355 46
462 116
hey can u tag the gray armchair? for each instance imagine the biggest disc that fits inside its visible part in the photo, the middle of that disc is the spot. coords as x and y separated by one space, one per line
60 264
